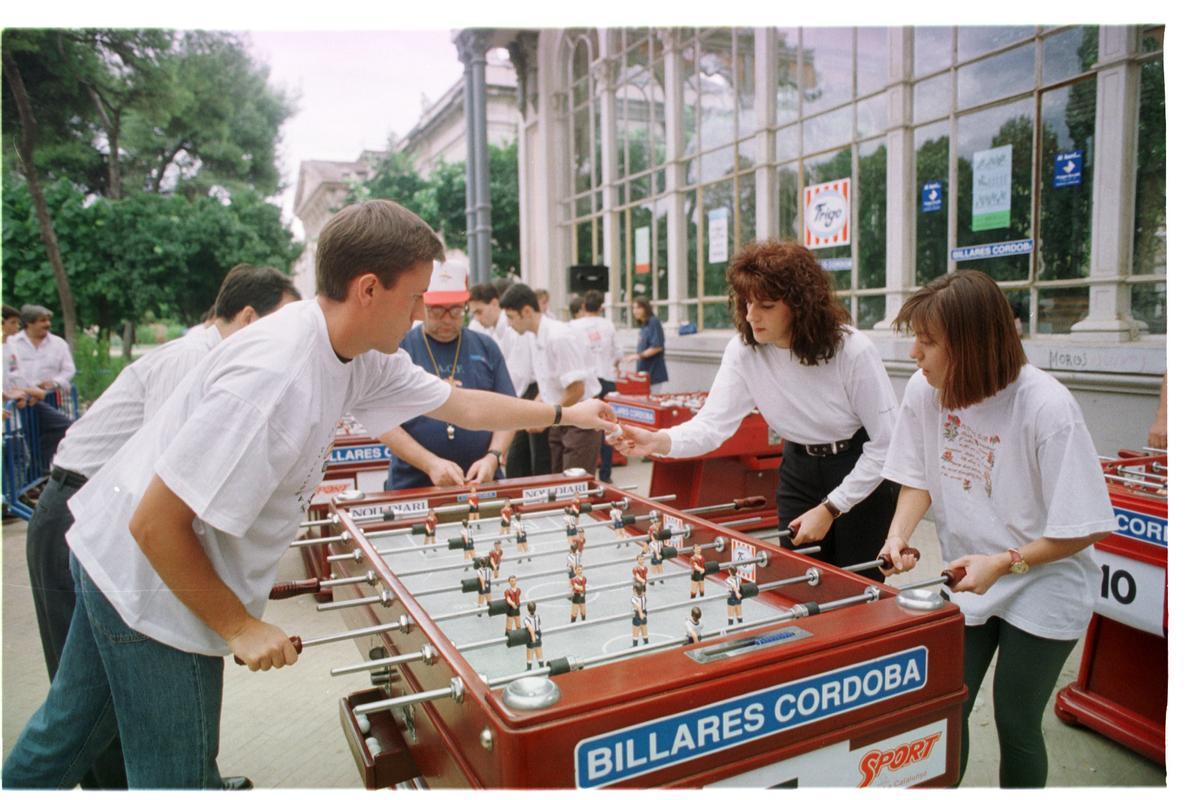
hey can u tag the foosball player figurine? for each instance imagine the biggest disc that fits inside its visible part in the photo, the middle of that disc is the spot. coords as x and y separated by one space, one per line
506 515
495 556
697 572
533 624
571 527
468 541
692 626
579 540
578 594
518 529
640 571
512 597
656 555
733 603
431 523
574 561
639 613
483 571
472 506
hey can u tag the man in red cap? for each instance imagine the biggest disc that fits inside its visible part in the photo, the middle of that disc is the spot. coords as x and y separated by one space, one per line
427 451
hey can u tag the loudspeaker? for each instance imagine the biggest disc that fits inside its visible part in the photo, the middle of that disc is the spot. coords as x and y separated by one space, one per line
582 277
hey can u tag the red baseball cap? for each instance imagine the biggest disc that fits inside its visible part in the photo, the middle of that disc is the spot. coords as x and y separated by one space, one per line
448 284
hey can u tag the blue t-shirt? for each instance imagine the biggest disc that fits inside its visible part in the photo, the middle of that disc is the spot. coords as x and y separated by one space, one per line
651 335
480 366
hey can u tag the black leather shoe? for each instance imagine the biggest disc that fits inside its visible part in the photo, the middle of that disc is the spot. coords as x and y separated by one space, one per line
237 782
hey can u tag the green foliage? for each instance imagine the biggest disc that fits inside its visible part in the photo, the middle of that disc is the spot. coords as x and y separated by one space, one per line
441 200
95 367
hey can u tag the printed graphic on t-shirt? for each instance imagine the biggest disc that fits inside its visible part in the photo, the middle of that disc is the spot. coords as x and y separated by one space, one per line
968 456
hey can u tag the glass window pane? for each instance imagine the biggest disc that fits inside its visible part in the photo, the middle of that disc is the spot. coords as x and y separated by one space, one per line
746 222
787 143
718 198
717 164
931 98
642 219
870 311
691 100
1059 309
583 242
691 171
691 213
931 49
1069 53
1152 38
747 154
789 223
872 215
716 90
872 116
787 93
823 169
623 263
872 59
581 146
1065 205
716 315
932 144
828 130
1018 301
977 40
1150 203
1006 74
1150 306
662 284
827 67
745 82
1000 140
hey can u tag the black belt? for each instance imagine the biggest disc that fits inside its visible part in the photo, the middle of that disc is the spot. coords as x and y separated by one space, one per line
832 448
67 477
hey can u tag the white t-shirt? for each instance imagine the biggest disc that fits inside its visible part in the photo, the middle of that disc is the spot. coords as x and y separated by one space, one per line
601 339
1002 473
49 361
516 348
804 404
134 397
243 443
12 367
559 359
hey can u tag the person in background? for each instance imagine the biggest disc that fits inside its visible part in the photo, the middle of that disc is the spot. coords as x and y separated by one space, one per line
12 370
650 356
429 452
529 453
575 307
543 298
564 376
1000 452
247 294
601 339
37 364
1157 437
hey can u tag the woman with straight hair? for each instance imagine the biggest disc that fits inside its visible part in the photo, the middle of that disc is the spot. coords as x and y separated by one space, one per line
819 383
1000 452
651 347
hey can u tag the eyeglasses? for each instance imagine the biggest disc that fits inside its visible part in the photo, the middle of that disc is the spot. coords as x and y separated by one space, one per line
440 312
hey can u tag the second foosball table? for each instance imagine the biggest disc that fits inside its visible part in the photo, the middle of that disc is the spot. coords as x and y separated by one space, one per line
817 676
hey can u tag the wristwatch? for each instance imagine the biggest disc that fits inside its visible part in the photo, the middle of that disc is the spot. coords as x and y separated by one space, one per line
499 456
1019 565
833 510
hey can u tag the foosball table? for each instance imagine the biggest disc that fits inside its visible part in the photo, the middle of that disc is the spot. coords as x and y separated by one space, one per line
815 676
746 464
1121 691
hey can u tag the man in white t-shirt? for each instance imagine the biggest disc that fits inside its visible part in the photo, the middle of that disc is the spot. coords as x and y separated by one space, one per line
178 537
247 293
37 364
601 338
564 375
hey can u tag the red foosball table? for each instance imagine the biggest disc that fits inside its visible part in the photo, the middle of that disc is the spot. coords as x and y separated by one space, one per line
1121 691
356 462
747 464
816 676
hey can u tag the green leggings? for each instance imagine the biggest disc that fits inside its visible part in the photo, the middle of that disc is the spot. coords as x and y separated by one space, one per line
1026 671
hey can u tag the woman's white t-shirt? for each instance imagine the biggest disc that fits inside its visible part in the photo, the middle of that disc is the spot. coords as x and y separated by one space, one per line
1002 473
242 442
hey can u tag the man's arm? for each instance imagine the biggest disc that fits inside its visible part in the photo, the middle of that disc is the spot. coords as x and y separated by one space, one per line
162 527
485 467
488 411
66 367
441 471
572 394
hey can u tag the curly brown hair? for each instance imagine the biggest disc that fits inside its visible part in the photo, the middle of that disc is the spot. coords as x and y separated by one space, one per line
787 272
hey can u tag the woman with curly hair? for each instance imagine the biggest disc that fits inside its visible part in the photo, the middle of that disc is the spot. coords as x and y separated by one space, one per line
819 383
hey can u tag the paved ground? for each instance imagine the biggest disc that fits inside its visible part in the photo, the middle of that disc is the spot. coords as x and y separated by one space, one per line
282 729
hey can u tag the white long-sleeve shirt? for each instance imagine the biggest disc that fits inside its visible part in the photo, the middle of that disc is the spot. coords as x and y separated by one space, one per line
516 348
559 359
804 404
49 361
601 339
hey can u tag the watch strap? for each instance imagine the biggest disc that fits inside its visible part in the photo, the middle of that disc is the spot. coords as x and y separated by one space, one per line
833 510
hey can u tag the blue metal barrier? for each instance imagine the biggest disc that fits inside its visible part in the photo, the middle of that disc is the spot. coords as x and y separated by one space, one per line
24 467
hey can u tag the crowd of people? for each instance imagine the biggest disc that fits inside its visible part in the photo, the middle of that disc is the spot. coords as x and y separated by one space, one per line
173 498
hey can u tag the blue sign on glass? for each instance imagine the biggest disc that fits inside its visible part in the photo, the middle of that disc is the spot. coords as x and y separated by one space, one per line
1068 169
1018 247
931 196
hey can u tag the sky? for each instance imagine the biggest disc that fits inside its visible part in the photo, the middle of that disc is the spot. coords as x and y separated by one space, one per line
352 89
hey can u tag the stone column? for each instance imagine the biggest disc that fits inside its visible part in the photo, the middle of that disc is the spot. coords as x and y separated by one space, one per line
766 184
901 176
676 224
472 51
606 106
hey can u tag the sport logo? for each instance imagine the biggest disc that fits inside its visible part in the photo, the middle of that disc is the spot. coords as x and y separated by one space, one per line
874 761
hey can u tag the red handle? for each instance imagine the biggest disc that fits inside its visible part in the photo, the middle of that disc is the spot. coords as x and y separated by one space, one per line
758 501
904 551
955 575
285 589
296 643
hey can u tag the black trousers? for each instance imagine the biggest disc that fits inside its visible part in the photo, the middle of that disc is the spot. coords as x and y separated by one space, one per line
529 453
48 559
858 534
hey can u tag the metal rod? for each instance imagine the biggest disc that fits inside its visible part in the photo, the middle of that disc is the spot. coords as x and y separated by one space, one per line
354 634
1134 481
406 700
384 597
390 661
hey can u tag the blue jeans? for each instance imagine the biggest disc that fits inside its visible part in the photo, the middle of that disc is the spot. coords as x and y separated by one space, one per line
166 704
